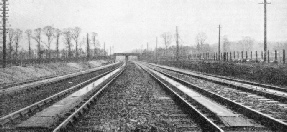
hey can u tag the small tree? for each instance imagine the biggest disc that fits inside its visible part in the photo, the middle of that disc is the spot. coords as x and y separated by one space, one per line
18 36
200 40
247 43
67 33
226 44
29 34
11 35
167 37
95 42
37 38
49 32
75 36
58 33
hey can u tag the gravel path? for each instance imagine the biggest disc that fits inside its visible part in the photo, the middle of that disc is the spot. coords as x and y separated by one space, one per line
135 102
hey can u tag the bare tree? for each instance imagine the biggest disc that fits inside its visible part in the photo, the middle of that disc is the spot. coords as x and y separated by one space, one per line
58 33
95 42
200 40
37 38
29 34
75 36
226 44
67 33
83 41
49 32
247 43
18 37
11 35
167 37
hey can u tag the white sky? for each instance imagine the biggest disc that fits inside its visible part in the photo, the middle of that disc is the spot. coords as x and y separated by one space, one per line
128 24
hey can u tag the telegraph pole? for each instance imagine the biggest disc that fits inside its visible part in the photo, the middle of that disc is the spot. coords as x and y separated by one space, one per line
219 43
177 45
88 47
4 19
265 29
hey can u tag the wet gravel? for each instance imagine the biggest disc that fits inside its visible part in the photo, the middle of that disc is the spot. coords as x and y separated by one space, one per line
135 102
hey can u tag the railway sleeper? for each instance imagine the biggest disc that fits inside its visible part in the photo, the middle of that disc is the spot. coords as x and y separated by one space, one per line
263 118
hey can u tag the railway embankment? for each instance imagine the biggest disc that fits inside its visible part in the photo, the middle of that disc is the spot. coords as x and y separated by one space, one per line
17 74
258 72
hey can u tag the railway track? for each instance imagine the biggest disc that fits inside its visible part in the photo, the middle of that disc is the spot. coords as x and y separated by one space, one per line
23 96
141 97
252 101
134 102
17 116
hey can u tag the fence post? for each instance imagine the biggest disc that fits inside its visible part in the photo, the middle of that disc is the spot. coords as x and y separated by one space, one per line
283 56
230 56
246 55
268 56
227 56
262 55
234 54
242 55
256 57
275 55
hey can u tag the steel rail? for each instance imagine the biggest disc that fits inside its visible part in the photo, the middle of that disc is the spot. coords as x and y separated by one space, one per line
205 122
10 117
29 85
271 95
85 106
265 119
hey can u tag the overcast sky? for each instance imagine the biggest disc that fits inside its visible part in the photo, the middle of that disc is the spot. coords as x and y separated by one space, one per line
129 24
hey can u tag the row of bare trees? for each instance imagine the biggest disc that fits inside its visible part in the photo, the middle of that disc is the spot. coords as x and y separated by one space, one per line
44 38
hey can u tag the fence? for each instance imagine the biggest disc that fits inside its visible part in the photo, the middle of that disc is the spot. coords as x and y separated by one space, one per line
243 56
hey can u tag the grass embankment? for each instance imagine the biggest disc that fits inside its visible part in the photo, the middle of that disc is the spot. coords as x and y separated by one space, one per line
262 73
17 74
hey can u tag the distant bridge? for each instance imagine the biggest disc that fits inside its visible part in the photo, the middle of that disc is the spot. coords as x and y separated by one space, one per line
127 55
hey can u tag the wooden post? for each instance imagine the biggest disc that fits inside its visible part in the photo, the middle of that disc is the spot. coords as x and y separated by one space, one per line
275 55
246 56
256 56
268 56
226 56
283 56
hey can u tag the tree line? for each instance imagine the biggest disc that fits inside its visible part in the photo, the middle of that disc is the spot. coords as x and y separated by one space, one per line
200 46
47 36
